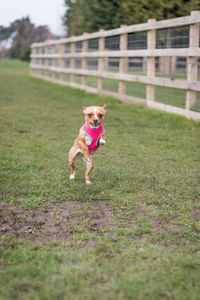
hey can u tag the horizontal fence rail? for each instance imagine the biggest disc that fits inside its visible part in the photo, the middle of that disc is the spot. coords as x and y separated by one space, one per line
155 64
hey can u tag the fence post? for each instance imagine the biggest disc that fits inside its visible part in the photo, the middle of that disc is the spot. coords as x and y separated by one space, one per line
151 44
101 61
84 61
62 61
53 61
123 61
46 63
72 63
192 62
173 67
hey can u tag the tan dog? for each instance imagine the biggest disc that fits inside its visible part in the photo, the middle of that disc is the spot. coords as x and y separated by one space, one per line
91 135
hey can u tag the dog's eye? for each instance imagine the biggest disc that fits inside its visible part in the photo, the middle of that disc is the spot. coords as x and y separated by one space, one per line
90 115
100 116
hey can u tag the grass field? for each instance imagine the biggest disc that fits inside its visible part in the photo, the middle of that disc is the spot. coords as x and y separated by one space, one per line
133 234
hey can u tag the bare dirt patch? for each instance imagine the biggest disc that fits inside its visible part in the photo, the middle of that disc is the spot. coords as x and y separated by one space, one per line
57 223
196 214
64 220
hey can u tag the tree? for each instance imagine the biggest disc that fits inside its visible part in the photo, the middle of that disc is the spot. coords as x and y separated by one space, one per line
92 15
23 34
139 11
73 18
99 14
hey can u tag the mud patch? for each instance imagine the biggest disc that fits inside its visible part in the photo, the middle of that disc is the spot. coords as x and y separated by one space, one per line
57 223
196 214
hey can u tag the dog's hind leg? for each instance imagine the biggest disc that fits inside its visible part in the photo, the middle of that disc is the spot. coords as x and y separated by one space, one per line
74 154
71 159
72 174
89 165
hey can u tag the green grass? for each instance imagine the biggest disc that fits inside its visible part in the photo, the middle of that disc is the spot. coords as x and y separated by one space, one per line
147 173
78 79
136 89
92 81
171 96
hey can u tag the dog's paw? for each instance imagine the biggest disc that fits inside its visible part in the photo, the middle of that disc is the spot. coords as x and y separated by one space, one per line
88 182
72 176
102 142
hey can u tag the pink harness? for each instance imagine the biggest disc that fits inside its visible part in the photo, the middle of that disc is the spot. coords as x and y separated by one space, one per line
94 135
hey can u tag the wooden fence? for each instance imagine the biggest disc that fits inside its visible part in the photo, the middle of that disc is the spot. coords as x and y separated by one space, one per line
83 62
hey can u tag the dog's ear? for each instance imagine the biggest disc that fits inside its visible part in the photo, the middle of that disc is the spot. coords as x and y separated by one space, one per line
84 109
104 107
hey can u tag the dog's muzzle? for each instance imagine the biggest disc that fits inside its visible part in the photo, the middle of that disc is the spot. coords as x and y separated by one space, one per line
95 121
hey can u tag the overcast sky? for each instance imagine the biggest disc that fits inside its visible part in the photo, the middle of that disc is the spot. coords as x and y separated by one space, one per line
41 12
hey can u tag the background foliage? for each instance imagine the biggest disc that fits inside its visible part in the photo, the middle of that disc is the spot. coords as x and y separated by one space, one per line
22 33
92 15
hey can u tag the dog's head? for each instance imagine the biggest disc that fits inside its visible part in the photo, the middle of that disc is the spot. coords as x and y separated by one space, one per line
94 115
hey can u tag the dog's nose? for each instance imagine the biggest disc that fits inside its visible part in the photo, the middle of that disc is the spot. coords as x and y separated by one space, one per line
95 121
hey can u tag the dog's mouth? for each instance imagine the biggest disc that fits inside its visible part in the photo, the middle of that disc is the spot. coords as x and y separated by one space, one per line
95 124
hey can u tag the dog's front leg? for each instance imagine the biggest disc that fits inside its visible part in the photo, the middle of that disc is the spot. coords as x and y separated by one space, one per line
102 140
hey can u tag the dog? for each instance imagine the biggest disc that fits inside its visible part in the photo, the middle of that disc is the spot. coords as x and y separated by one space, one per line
91 136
